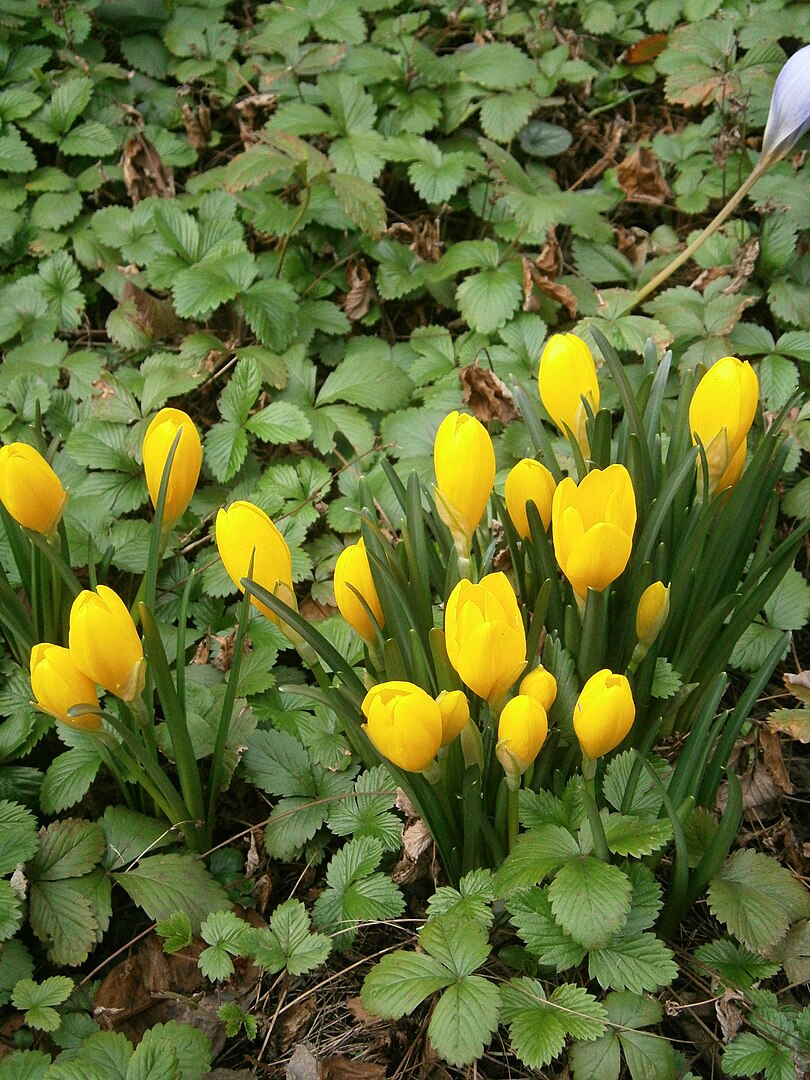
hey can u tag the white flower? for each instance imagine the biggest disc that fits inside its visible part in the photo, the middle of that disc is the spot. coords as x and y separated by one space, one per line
789 114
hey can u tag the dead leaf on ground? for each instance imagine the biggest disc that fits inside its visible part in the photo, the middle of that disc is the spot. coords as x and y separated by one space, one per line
404 804
154 317
197 124
144 172
633 243
532 277
792 722
345 1068
252 113
640 178
230 1074
488 396
730 1017
303 1064
550 261
799 685
358 299
416 838
744 266
766 778
355 1006
422 235
294 1023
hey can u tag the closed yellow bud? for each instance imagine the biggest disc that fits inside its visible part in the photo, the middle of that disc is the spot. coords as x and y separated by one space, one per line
352 570
464 463
29 488
731 476
186 463
604 713
455 713
592 526
244 531
652 612
104 643
541 685
404 723
721 413
529 481
58 685
567 375
522 730
484 634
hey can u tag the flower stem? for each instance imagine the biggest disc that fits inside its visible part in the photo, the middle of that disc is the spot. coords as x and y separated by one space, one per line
594 819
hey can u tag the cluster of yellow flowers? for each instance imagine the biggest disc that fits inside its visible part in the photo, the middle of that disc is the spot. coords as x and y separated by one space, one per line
592 526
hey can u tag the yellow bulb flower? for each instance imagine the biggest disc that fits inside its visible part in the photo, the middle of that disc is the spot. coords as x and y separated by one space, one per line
29 488
404 723
464 463
721 413
58 685
352 569
104 643
652 612
604 713
455 713
522 730
541 685
592 526
567 374
529 481
484 634
244 530
186 463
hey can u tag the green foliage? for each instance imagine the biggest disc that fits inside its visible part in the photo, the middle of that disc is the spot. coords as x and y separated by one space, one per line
37 1000
289 943
356 892
757 899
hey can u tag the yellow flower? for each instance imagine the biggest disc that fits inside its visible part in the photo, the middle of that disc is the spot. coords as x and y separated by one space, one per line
652 612
592 526
464 463
567 374
455 713
486 642
522 730
104 643
186 463
541 685
529 481
404 723
58 685
721 413
242 531
29 488
604 713
352 569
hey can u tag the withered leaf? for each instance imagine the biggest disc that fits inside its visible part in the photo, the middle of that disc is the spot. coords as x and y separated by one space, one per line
144 172
640 178
488 397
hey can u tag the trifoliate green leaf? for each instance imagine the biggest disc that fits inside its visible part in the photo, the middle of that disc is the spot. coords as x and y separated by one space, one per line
472 900
38 999
538 1026
290 943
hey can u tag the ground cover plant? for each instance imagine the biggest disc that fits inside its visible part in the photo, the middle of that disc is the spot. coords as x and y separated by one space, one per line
488 746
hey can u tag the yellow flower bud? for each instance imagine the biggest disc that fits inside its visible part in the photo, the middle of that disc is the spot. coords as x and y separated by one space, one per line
352 569
529 481
455 713
244 530
592 526
186 463
58 685
541 685
522 730
404 723
721 413
652 612
29 488
731 476
464 463
104 643
604 713
567 374
486 642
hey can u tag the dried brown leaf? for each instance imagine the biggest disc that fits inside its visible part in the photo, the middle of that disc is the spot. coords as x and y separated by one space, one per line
338 1067
144 172
358 299
640 178
799 685
488 397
